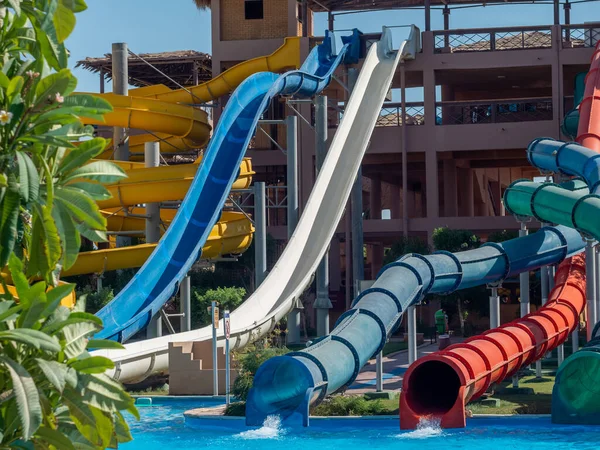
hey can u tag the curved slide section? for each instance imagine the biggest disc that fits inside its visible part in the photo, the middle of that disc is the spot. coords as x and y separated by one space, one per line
276 296
180 246
480 361
286 385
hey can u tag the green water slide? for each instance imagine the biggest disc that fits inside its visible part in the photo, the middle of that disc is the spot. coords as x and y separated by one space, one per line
571 121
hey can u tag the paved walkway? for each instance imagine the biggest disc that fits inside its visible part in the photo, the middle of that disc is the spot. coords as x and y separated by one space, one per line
394 367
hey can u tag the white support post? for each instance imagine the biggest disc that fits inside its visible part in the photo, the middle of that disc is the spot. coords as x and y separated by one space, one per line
294 317
185 304
494 308
379 372
544 288
322 303
524 288
412 333
214 323
260 234
152 159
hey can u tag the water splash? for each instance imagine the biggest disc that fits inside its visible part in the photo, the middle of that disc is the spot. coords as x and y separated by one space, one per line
271 429
428 427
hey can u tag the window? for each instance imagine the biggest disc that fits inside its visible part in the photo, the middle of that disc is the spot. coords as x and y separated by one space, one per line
254 9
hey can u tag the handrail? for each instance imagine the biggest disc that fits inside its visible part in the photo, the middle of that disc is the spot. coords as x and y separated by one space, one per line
492 101
492 29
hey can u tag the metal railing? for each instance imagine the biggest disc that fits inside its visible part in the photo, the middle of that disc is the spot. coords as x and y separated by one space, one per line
580 35
492 39
391 114
494 111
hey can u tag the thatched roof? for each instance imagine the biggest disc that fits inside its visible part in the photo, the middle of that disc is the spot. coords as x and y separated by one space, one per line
178 65
202 4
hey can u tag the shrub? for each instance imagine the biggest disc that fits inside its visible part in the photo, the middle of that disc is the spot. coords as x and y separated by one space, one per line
340 405
229 298
237 409
248 363
95 301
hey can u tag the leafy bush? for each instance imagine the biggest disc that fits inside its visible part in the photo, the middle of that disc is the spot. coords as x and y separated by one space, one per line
95 301
340 405
229 298
406 245
237 409
248 363
53 391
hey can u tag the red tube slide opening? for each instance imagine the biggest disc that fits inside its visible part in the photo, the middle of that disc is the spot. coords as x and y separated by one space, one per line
441 384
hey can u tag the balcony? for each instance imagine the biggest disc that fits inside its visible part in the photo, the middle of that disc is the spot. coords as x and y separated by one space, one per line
580 36
391 114
496 111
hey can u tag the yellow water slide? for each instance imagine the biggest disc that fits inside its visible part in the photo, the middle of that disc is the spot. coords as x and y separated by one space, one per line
167 113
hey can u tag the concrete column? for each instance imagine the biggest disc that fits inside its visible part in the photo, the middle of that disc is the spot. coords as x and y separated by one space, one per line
404 148
494 308
450 191
358 260
379 372
185 304
375 199
412 333
545 289
467 190
260 234
395 202
293 319
152 159
590 286
556 12
446 13
431 170
348 252
120 82
427 15
322 303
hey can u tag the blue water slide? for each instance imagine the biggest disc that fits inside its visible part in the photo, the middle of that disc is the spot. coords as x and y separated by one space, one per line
288 385
569 158
157 280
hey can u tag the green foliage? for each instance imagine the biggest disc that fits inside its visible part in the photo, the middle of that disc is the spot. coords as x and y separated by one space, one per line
47 182
339 405
95 301
236 409
248 363
229 298
54 393
406 245
455 240
501 236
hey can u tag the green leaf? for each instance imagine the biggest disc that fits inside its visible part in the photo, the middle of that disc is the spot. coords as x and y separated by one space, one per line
64 21
83 208
10 314
104 344
93 190
106 394
9 216
82 416
122 429
4 81
61 82
54 437
91 234
75 5
13 92
93 364
19 279
46 250
55 296
26 395
33 338
29 179
58 325
60 375
87 106
69 236
80 155
75 337
101 171
45 139
72 131
34 305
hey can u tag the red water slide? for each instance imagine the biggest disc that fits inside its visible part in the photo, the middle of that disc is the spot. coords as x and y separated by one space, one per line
441 384
588 132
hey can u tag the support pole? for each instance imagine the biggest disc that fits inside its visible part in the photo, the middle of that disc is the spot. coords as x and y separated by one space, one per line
597 295
185 304
293 318
544 288
379 372
556 12
152 159
412 333
348 253
120 83
102 78
330 21
214 321
120 80
404 152
590 286
322 302
304 6
524 288
260 234
358 259
427 15
446 13
494 308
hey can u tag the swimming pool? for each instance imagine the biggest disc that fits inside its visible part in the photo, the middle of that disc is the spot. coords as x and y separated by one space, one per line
163 426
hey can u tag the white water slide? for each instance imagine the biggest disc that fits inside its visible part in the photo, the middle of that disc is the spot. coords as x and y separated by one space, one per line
292 274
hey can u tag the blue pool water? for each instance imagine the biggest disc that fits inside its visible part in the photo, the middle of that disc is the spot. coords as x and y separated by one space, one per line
163 426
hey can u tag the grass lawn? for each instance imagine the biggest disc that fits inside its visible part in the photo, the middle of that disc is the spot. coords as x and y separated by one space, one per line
538 403
393 347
